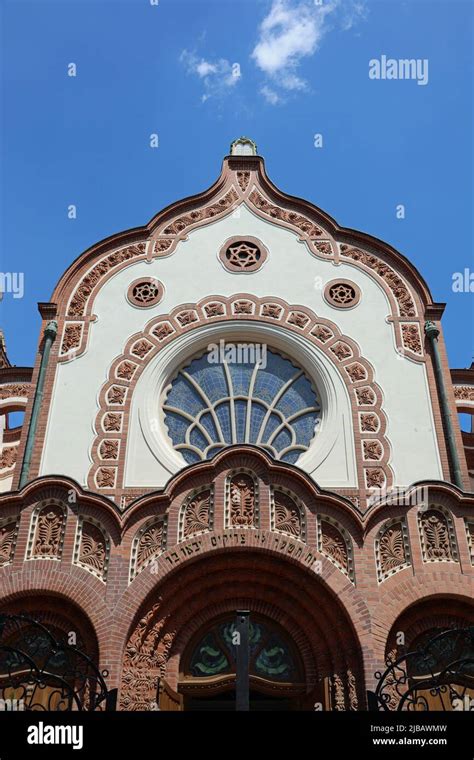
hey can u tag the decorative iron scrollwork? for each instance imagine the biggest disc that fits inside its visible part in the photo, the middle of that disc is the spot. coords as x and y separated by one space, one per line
38 671
437 675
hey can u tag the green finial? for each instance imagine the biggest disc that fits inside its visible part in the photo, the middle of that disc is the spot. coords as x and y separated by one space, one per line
243 146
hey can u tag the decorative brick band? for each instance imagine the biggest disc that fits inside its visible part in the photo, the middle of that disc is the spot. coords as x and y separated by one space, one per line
107 471
83 293
81 298
14 390
398 288
464 394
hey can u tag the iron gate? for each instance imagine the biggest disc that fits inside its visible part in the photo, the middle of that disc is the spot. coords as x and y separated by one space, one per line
38 671
436 676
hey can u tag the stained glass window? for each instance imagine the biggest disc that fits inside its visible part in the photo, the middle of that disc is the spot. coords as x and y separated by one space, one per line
270 654
439 649
270 403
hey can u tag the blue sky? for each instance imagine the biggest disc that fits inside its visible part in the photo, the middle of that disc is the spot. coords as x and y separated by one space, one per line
167 69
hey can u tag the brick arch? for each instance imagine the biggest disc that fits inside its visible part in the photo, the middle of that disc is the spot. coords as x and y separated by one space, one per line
54 610
403 591
304 558
210 477
281 475
68 492
372 447
217 609
171 614
62 591
437 611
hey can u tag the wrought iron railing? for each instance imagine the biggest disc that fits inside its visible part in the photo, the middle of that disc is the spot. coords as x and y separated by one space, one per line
38 671
437 676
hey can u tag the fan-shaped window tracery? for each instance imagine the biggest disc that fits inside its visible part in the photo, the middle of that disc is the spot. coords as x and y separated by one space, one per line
269 403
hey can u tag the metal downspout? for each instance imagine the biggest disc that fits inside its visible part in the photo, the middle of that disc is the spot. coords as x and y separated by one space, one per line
432 333
50 332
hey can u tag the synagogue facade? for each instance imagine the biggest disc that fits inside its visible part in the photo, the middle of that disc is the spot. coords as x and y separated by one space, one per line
241 405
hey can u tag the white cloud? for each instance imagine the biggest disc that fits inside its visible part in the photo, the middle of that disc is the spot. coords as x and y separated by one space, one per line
216 76
270 95
292 82
293 31
289 33
203 68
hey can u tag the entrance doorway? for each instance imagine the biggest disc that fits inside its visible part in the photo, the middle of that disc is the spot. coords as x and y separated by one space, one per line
208 674
226 701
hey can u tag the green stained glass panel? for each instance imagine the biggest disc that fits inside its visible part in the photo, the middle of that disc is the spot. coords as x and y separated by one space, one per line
208 658
270 655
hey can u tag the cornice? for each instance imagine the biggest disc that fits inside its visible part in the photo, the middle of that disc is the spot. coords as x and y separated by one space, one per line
463 375
47 310
435 311
16 374
349 235
432 487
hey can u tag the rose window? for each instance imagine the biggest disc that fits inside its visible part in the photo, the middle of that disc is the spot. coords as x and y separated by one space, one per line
342 293
243 255
145 292
265 400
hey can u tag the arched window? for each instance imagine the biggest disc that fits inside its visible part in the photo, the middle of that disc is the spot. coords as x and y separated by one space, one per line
440 649
271 656
269 403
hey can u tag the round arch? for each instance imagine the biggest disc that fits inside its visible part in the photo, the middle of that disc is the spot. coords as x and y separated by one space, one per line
270 587
429 657
439 611
58 612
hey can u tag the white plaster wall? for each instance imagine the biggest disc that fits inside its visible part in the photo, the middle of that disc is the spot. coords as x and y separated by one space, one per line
6 484
194 272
